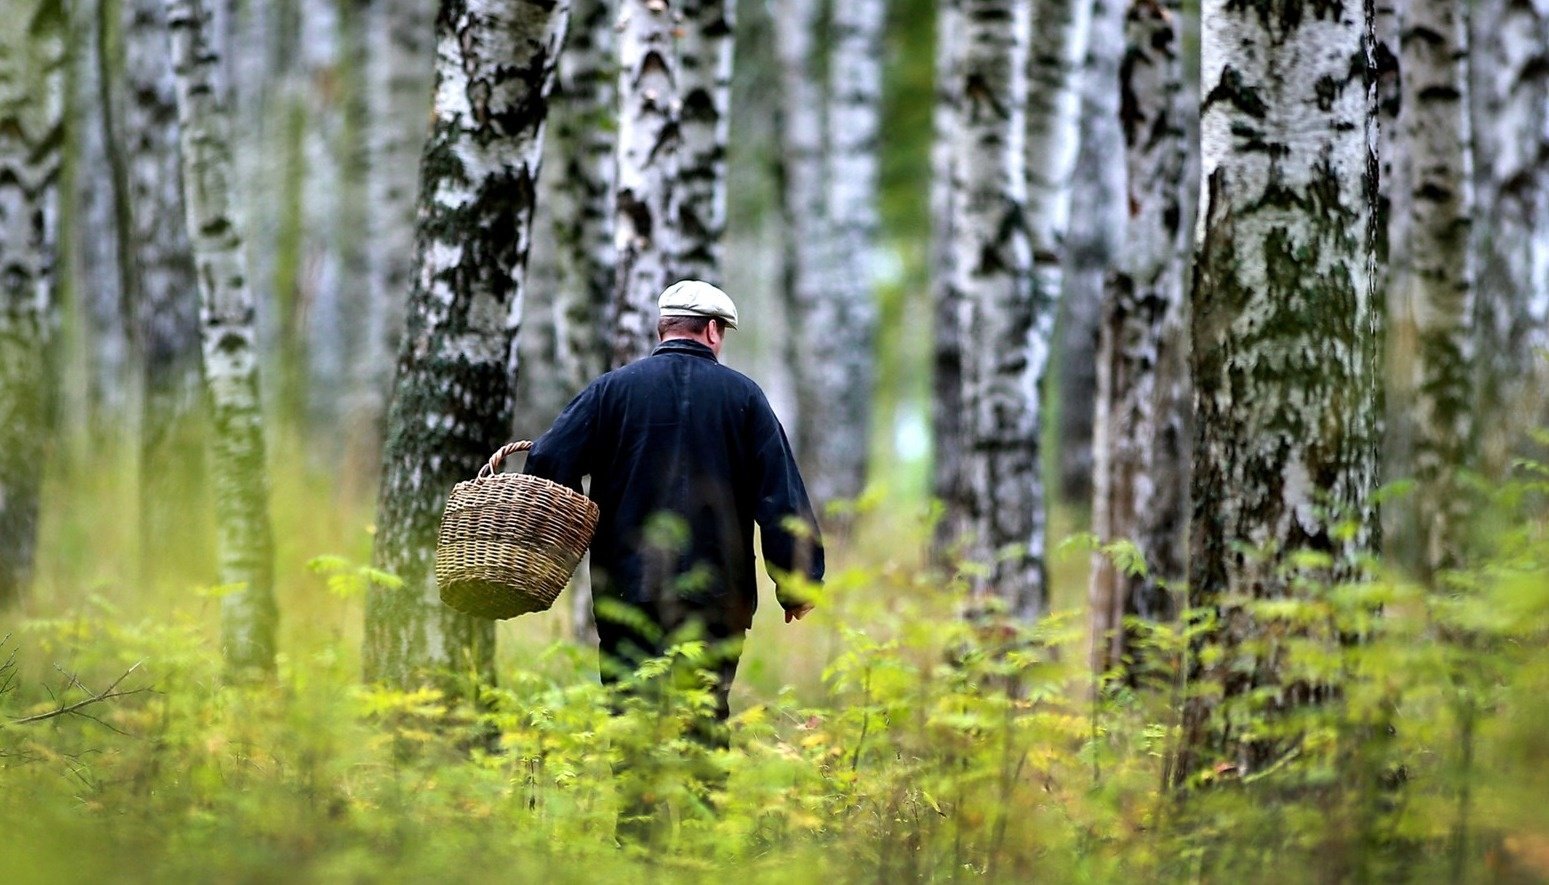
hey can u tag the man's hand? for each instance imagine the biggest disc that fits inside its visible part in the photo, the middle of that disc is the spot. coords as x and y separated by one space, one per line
797 613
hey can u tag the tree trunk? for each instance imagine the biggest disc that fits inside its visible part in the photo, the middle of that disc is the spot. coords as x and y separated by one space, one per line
585 143
1436 279
1012 323
838 437
32 103
646 201
829 170
166 313
1285 341
453 398
581 203
246 548
948 428
705 58
992 266
319 279
400 46
803 206
1097 220
1142 440
99 279
1510 105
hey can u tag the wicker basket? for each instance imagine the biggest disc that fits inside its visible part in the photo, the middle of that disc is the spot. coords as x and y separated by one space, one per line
509 542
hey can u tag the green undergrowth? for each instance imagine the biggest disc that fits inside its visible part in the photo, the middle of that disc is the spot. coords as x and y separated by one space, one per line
884 739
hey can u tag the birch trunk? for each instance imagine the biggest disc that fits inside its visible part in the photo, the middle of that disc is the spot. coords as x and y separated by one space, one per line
948 429
453 398
32 103
400 46
649 143
1436 280
804 208
705 57
1141 433
1285 341
166 313
1096 236
992 266
1012 322
585 144
837 435
226 313
1510 103
98 277
323 324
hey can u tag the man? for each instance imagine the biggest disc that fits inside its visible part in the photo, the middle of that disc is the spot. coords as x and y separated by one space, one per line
685 455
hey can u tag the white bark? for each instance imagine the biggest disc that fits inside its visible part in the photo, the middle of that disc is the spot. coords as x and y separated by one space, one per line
582 211
803 203
320 275
947 421
992 265
454 394
98 276
400 47
32 102
1286 325
166 313
1510 103
581 201
649 143
1435 282
1141 477
246 550
838 437
1096 236
705 58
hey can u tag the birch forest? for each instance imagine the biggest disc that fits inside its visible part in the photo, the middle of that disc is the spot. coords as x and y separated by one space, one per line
1170 377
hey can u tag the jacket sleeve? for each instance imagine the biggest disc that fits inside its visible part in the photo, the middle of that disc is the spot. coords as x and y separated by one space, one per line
564 454
793 544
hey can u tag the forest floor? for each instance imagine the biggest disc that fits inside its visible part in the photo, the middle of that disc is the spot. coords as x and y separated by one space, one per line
881 739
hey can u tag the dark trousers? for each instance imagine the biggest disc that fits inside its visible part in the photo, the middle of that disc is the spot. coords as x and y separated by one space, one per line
623 646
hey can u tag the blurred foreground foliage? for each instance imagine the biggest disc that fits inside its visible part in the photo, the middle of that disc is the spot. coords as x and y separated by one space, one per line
925 748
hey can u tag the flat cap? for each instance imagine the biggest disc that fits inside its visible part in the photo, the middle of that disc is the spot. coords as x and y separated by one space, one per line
693 298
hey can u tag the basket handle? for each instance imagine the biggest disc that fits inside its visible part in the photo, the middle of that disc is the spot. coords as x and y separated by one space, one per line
505 451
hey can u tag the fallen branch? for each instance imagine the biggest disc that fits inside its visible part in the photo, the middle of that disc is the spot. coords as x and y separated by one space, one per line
107 694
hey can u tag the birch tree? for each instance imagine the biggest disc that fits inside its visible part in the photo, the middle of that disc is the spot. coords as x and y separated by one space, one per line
580 205
947 424
1285 339
400 61
705 53
992 265
1510 103
584 140
97 171
829 169
1096 236
1009 321
453 398
166 315
1141 434
32 102
1435 279
226 314
646 199
836 436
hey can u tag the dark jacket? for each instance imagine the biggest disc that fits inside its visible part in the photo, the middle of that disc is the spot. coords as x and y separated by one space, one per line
685 456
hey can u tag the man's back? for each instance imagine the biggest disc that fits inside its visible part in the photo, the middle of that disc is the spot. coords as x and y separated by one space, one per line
685 456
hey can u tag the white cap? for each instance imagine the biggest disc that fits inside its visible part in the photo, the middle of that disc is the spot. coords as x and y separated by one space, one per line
693 298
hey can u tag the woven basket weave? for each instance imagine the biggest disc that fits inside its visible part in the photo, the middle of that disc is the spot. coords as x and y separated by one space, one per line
509 542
